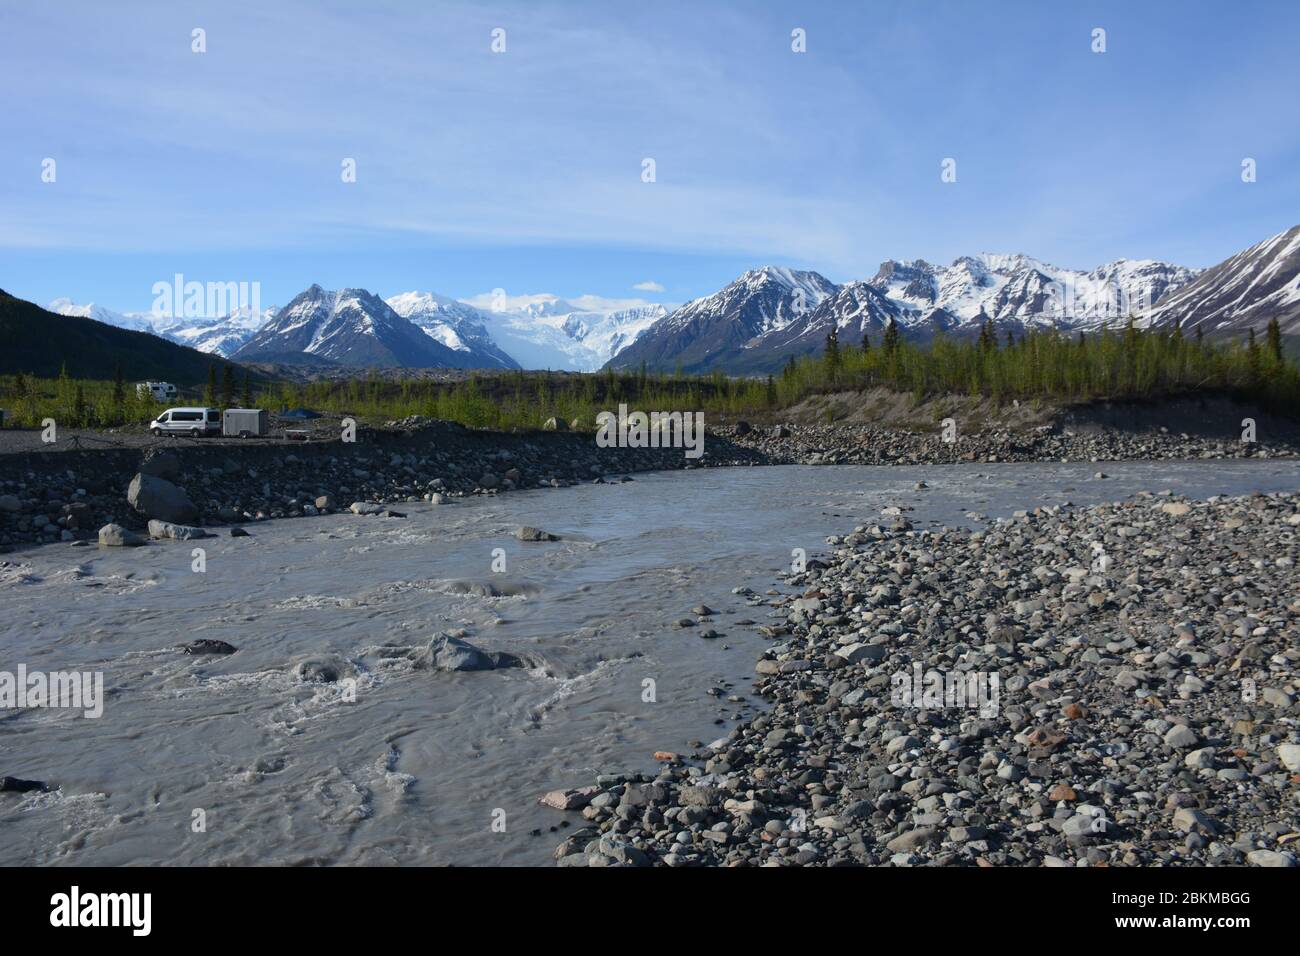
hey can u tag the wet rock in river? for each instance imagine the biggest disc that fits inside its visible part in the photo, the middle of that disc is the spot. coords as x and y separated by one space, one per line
115 536
323 670
446 653
176 532
574 799
209 645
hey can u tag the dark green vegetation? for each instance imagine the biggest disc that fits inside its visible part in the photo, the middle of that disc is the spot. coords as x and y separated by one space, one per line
526 399
1125 363
42 344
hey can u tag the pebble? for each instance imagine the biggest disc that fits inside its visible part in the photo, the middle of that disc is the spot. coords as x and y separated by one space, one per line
1123 737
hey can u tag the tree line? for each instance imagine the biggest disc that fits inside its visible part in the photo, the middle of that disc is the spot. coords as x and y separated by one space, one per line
1108 363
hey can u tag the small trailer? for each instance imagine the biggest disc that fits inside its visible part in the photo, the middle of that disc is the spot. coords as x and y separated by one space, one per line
244 423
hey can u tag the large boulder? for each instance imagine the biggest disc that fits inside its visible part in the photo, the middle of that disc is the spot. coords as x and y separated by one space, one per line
115 536
445 653
535 534
158 498
556 425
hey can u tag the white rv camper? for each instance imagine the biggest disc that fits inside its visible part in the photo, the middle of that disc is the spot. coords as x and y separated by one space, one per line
158 391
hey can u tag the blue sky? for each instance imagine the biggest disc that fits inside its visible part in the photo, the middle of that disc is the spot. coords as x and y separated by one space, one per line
522 170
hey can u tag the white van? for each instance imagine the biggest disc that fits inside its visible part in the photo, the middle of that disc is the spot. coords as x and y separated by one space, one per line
158 391
195 422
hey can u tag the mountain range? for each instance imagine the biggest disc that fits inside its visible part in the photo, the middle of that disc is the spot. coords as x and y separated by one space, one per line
353 327
752 325
766 316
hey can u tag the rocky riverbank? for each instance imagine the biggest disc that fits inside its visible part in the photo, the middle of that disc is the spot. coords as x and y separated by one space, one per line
1113 685
870 444
69 495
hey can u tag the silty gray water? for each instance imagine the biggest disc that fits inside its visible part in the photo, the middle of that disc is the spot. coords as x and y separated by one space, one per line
418 767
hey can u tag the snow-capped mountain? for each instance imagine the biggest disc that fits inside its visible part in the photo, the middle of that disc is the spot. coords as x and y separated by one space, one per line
221 336
545 331
458 326
717 330
1023 291
348 327
615 331
1244 291
858 309
134 321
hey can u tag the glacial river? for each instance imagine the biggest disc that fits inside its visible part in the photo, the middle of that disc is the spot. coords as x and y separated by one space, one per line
234 760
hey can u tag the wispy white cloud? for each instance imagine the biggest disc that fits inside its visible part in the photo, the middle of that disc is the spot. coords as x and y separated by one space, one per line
648 286
827 158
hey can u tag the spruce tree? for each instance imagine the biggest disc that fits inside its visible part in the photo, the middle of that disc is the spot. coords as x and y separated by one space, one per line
247 399
65 388
210 396
1274 335
1130 335
119 388
832 357
227 386
891 339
